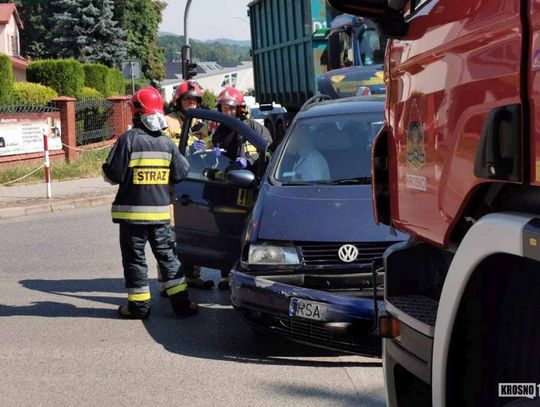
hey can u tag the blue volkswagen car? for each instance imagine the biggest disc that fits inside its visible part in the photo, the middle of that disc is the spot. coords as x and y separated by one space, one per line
305 233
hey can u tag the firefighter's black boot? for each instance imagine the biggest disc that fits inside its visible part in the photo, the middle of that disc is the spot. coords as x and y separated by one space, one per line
182 306
135 310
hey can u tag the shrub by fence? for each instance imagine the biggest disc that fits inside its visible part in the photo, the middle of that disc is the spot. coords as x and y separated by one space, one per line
65 76
116 82
6 80
27 93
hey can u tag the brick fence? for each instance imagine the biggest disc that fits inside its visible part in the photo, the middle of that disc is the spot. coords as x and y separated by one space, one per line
119 121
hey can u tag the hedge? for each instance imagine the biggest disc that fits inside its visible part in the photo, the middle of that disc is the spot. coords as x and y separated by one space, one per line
139 84
65 76
6 81
27 93
96 76
116 82
88 93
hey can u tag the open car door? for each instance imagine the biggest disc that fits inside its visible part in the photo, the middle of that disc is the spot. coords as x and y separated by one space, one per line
209 212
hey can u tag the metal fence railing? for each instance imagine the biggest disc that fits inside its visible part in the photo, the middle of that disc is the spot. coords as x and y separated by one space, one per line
92 121
14 109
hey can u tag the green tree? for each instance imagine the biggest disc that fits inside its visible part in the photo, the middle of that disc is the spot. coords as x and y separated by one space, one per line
141 19
208 100
85 29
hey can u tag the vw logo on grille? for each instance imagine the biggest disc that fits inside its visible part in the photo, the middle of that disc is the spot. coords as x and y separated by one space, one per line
348 253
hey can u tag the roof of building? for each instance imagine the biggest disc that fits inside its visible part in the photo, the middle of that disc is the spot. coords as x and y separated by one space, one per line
6 11
207 68
18 62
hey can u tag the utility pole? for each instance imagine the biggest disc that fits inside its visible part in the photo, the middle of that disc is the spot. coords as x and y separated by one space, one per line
189 69
186 15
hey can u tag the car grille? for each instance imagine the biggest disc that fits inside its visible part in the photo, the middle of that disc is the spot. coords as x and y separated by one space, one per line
315 332
326 254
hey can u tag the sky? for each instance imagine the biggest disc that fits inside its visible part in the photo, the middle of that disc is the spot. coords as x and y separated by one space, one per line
208 19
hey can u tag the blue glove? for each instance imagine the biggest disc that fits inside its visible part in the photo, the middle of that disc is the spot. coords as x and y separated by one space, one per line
198 145
241 162
217 151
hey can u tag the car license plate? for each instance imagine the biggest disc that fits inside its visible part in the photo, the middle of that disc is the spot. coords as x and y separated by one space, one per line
307 309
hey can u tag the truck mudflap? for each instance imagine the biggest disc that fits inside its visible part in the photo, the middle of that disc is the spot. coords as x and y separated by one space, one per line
266 304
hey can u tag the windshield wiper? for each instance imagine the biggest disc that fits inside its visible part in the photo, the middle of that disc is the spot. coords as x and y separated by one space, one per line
351 181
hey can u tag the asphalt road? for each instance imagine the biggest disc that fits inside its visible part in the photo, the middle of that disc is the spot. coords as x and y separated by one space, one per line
61 343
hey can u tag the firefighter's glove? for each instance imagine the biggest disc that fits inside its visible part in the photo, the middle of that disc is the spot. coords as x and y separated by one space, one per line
198 145
241 162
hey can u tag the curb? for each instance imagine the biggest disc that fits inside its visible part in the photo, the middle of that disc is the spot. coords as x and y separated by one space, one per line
56 206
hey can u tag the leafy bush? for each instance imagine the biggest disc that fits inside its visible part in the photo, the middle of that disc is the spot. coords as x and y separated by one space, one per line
65 76
116 82
88 93
97 76
6 81
208 100
139 83
27 93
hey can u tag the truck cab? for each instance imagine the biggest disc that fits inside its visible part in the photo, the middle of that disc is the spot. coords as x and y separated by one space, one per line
354 41
456 165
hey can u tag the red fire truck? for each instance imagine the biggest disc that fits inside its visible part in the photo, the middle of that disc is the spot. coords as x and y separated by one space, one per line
457 166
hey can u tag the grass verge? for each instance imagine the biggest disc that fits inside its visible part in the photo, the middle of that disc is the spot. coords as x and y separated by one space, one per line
87 165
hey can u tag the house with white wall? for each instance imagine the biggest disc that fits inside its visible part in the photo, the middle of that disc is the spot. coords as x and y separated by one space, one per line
210 76
10 44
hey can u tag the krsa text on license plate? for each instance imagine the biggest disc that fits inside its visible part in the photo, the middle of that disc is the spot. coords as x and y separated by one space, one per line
307 309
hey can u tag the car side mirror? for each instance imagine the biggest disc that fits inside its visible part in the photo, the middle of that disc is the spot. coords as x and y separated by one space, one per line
242 179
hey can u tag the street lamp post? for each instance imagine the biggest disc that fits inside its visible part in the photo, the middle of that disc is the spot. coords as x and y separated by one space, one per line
186 14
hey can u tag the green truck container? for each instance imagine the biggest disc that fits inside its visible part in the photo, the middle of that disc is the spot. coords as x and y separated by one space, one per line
289 48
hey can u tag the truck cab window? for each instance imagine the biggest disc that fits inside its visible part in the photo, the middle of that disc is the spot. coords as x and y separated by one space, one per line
347 49
371 48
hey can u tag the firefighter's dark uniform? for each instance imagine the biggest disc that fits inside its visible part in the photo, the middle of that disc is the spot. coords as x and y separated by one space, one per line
145 164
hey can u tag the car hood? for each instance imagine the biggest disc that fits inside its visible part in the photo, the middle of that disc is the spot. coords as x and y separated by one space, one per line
321 213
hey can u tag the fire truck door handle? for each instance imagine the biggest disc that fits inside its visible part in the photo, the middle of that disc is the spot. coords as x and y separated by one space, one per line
499 151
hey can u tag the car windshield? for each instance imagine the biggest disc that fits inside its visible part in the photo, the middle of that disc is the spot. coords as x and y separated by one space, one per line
257 113
329 150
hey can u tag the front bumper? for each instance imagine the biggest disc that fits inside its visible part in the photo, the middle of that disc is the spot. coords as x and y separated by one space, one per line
264 303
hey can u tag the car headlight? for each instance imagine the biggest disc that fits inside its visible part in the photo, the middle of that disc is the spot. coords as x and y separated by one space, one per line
266 254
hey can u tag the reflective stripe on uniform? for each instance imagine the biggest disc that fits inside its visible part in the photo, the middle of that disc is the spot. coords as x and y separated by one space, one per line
150 159
138 290
138 296
172 283
149 162
151 154
134 212
176 289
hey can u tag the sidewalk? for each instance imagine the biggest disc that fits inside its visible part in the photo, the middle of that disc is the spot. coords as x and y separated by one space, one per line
23 200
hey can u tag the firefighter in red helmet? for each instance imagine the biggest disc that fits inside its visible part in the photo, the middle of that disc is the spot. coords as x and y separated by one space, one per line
188 95
145 163
231 102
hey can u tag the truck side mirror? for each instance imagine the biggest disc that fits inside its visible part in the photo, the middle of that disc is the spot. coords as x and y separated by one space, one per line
386 13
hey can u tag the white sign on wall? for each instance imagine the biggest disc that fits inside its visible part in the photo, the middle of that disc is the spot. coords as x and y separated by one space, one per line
23 133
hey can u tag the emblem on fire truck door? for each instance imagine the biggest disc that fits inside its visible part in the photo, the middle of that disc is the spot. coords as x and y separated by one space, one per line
416 154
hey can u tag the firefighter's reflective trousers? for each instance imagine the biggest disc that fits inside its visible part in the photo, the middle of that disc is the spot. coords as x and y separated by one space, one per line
133 239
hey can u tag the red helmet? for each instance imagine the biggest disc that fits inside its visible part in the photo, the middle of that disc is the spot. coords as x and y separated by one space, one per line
187 88
230 96
147 105
146 101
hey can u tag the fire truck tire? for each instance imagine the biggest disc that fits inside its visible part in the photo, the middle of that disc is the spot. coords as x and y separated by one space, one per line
496 337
